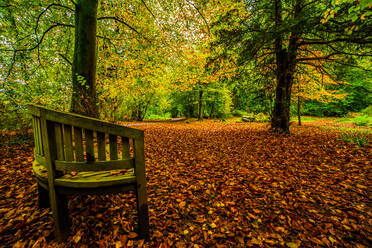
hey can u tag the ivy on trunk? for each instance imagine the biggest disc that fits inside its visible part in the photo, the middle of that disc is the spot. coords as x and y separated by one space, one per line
84 96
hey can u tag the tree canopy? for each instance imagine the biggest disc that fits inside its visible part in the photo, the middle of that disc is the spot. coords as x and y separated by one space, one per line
188 58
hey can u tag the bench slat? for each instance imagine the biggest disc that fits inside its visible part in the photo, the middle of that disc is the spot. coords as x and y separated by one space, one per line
113 147
95 166
89 145
39 140
35 135
67 140
59 141
79 149
101 179
125 147
85 122
101 144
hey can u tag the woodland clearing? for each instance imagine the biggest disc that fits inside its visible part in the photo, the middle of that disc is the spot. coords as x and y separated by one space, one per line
211 184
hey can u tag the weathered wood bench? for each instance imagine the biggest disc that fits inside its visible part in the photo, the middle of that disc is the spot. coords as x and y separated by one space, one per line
71 157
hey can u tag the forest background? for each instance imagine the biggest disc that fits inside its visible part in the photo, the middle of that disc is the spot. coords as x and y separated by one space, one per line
160 59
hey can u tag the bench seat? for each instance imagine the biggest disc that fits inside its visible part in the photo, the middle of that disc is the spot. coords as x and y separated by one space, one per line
90 179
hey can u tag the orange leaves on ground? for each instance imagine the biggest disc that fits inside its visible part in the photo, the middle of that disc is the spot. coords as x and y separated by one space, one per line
211 185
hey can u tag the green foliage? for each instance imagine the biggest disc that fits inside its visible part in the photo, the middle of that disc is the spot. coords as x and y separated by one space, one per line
216 102
363 120
355 137
367 111
358 91
261 117
165 116
239 113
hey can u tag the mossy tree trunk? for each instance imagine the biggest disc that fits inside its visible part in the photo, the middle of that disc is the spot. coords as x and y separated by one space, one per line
84 96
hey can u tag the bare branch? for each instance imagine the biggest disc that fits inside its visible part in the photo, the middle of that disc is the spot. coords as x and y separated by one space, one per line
324 42
41 39
65 58
122 22
328 57
144 3
11 65
45 10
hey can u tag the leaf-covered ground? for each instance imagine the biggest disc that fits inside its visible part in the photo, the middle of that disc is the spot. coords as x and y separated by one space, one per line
212 185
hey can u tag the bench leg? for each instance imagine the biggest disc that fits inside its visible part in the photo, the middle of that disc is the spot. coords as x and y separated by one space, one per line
143 212
43 196
60 214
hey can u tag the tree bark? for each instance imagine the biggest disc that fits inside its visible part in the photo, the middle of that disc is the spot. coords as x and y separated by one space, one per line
200 105
284 78
299 104
84 96
285 69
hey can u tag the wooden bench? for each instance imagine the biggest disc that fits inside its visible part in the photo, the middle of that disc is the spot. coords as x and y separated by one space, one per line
71 158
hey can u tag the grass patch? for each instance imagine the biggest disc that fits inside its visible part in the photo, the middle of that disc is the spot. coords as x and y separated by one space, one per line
347 129
363 121
353 137
158 117
304 118
344 120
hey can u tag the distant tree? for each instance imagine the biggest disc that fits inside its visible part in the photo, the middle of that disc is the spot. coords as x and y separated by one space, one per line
285 35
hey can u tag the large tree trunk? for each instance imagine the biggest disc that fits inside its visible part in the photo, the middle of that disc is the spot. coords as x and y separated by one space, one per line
285 69
280 119
84 96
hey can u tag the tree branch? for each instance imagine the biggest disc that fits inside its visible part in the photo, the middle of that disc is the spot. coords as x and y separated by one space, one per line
45 10
11 65
41 39
144 3
120 21
324 42
202 16
65 58
328 57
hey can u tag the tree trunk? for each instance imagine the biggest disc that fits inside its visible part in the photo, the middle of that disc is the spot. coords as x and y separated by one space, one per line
213 109
200 105
299 104
84 96
280 119
285 69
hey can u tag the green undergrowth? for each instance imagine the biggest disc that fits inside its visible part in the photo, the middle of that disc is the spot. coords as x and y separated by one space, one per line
355 137
304 118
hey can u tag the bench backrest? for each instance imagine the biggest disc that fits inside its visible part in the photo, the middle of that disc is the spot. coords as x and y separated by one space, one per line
71 142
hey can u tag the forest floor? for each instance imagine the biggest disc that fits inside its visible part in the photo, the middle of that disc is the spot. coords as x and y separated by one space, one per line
212 184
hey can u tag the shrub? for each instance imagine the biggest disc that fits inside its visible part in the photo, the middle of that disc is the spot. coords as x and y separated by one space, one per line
261 117
239 113
367 111
363 120
359 138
